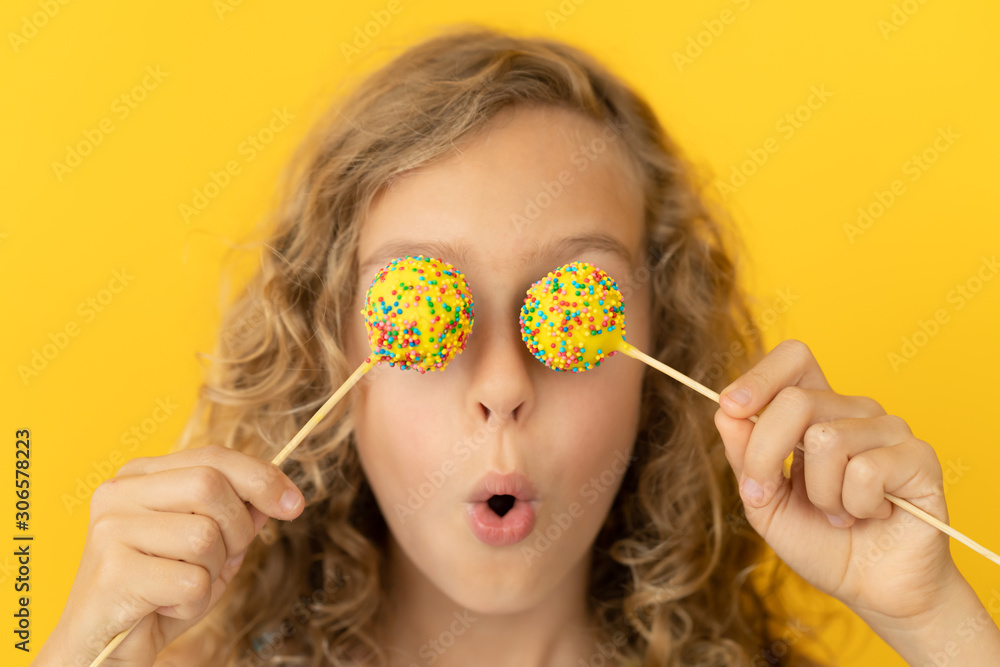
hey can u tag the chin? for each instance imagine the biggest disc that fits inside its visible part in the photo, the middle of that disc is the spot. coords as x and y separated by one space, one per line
481 578
482 591
490 580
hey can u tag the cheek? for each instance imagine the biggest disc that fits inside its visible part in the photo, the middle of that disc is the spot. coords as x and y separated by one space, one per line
596 416
637 318
356 341
402 437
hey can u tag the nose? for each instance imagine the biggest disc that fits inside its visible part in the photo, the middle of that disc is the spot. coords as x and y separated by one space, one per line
501 386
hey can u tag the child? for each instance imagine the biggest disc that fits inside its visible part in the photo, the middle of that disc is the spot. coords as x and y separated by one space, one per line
630 541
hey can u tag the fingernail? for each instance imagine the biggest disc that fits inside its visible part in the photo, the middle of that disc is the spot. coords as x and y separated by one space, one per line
740 396
836 520
237 559
290 501
752 491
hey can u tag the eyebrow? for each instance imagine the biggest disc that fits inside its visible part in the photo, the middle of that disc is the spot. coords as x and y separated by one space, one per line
458 254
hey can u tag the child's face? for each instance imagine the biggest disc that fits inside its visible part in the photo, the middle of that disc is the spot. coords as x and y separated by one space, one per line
495 211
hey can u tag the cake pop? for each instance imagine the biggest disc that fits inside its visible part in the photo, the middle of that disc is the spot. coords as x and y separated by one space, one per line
418 313
573 318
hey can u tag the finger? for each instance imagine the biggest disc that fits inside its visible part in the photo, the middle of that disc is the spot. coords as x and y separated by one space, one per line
174 626
790 363
909 469
829 446
258 517
782 426
201 490
735 434
192 538
160 582
260 482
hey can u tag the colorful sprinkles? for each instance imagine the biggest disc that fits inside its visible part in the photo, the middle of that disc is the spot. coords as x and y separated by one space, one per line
573 318
418 312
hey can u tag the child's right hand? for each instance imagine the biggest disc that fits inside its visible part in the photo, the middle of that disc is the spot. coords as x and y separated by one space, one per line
166 536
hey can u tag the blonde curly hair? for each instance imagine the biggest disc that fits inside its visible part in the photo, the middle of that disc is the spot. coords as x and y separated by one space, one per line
672 565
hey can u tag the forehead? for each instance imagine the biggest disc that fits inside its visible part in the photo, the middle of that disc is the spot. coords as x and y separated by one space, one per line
534 181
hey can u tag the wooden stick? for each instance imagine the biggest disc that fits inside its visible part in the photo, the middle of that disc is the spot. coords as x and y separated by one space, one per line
113 644
365 366
634 352
943 527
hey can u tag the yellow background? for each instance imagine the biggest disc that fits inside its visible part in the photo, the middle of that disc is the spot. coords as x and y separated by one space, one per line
226 71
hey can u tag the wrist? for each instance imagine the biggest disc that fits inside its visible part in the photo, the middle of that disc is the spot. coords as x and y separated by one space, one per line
59 651
959 630
51 653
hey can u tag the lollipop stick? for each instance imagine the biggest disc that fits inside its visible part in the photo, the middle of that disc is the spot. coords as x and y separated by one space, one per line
634 352
943 527
365 366
113 644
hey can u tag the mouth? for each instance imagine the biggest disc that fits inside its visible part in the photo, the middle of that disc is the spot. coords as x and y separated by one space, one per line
502 509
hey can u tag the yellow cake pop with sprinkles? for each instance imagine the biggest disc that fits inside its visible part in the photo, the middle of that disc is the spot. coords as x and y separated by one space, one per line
418 313
573 318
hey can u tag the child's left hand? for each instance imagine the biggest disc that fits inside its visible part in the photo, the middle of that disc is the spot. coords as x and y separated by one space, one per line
886 564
